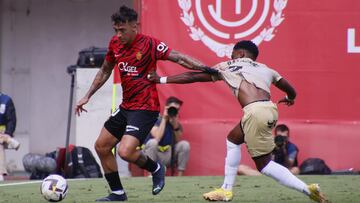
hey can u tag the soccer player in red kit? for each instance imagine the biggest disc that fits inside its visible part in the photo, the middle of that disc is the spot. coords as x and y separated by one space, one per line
135 55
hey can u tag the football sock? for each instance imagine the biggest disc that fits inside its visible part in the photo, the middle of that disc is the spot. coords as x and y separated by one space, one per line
148 164
284 177
118 192
232 161
157 168
114 182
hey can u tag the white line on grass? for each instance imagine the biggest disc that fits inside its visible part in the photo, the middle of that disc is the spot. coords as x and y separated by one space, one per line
38 181
22 183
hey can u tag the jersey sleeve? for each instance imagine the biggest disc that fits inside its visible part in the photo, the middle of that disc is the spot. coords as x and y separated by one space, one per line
161 50
292 152
219 67
110 57
292 155
215 77
276 76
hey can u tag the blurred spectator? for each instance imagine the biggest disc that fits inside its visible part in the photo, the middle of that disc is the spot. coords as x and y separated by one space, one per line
165 136
7 128
285 153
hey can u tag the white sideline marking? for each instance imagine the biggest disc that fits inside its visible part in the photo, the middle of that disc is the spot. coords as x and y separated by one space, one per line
31 182
22 183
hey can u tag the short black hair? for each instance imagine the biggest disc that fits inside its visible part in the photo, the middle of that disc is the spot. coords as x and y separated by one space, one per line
249 46
282 128
124 14
173 99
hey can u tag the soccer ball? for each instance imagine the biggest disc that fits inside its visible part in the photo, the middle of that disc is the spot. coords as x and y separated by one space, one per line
54 188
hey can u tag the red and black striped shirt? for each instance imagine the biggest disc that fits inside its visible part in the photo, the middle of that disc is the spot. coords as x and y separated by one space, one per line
134 63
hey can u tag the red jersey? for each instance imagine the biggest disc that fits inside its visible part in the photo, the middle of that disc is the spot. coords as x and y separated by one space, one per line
134 63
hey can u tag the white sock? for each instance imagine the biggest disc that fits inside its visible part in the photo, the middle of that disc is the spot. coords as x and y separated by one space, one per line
118 192
284 177
232 161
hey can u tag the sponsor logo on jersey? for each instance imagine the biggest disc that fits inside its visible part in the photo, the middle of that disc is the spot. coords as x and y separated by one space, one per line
235 68
125 67
138 56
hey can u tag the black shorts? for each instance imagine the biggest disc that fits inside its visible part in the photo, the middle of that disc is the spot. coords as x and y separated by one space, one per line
137 123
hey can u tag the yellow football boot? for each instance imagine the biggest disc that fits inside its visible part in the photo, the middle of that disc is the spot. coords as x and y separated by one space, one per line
219 195
315 193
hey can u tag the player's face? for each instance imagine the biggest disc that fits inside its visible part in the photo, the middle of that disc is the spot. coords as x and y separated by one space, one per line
126 32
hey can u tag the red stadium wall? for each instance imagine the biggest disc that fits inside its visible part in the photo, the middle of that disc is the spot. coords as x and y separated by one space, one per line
309 43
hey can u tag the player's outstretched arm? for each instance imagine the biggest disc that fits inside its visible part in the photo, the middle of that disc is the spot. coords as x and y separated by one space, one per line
186 61
183 78
285 86
101 77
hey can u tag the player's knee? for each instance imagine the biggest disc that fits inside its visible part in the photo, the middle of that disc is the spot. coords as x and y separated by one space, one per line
99 148
125 153
236 139
236 135
262 161
184 146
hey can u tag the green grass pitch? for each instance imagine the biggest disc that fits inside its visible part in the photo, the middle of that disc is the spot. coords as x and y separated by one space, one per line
340 189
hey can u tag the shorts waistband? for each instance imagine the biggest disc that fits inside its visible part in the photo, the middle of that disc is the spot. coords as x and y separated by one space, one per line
257 103
262 100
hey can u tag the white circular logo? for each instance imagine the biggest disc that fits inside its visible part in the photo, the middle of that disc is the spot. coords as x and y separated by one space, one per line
229 21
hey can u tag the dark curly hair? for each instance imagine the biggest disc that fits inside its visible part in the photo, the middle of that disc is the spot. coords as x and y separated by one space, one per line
124 14
248 46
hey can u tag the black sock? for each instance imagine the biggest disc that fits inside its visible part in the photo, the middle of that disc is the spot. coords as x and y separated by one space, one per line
149 165
113 180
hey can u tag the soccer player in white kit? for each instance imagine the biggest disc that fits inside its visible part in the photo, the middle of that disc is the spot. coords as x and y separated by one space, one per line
250 83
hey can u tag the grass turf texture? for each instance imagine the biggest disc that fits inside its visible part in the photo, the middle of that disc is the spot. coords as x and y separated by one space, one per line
190 189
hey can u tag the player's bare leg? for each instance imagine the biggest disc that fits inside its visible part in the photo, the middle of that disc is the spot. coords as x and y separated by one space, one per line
247 171
283 176
103 146
127 150
232 161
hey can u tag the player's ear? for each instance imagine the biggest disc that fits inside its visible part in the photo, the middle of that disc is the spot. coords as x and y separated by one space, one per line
134 25
238 53
242 53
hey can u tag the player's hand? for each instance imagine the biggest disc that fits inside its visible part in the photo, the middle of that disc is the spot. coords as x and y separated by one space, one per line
79 106
287 101
153 77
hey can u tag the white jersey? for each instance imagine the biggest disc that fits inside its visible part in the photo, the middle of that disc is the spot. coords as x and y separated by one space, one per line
233 72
